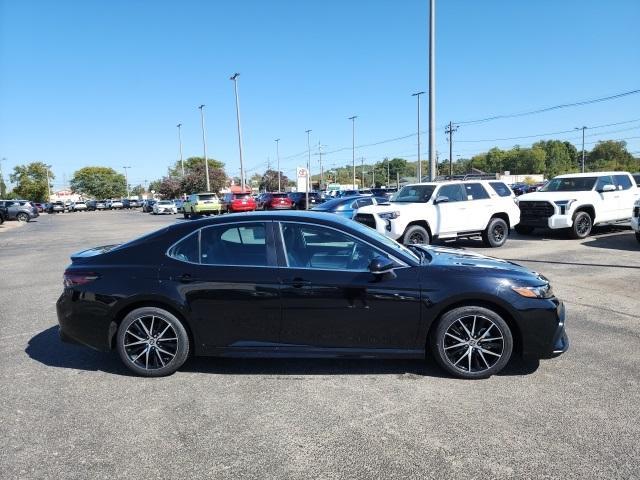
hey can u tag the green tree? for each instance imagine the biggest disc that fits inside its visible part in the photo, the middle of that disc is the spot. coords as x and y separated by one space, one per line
31 181
98 182
191 163
269 181
610 155
195 180
137 190
561 157
3 187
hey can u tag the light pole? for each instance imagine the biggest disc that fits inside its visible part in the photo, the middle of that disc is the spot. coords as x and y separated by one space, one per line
362 167
583 129
234 77
321 170
308 167
432 90
353 147
417 95
48 184
126 179
277 140
180 145
204 144
449 131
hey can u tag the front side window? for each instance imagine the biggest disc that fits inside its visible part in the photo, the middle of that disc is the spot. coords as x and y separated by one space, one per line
623 182
475 191
602 181
453 192
317 247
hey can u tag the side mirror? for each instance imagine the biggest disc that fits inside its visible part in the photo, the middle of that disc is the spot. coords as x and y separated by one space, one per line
608 188
381 265
441 199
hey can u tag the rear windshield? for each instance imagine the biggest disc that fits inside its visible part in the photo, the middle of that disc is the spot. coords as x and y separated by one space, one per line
279 195
209 196
241 196
414 193
571 184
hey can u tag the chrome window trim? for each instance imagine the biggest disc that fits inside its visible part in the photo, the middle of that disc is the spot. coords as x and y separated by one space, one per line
401 264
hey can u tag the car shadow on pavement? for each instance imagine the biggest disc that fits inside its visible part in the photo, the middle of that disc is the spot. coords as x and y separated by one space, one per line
47 348
619 241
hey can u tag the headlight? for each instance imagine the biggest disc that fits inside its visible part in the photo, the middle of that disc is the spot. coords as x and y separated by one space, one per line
564 205
542 291
389 215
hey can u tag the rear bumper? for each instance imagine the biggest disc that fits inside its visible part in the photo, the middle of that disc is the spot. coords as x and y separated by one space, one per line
242 208
84 322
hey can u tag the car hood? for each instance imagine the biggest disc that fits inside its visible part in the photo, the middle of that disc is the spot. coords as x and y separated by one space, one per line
391 207
476 263
551 196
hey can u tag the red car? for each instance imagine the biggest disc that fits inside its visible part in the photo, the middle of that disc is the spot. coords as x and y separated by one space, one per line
274 201
238 202
39 206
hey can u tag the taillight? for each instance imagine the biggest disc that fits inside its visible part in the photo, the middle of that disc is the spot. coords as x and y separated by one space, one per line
74 278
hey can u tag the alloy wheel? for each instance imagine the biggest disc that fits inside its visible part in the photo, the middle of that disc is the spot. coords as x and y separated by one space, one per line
584 225
473 344
150 342
498 233
416 238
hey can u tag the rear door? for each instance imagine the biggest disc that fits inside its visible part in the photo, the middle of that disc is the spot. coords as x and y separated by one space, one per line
480 206
225 275
628 193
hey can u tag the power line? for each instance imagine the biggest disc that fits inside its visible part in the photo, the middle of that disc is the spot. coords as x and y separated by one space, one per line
549 109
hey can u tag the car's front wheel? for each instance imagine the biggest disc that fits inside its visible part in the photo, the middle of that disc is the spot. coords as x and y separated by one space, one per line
638 236
471 342
416 234
582 225
152 342
22 217
496 233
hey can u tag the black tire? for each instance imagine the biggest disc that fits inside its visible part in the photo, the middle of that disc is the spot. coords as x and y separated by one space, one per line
582 225
161 363
637 236
186 215
23 217
482 323
496 233
523 229
416 234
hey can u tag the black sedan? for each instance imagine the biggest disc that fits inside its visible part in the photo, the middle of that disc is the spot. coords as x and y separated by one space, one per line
304 284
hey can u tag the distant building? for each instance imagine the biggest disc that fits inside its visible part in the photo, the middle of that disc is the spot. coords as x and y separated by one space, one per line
65 195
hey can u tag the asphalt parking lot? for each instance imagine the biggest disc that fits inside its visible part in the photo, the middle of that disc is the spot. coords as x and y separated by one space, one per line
69 412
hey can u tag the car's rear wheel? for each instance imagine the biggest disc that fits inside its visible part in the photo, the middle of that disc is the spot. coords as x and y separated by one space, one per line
22 217
152 342
523 229
471 342
582 225
638 236
496 233
416 234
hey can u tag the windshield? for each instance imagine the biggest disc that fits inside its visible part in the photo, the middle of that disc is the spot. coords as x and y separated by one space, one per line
241 196
279 195
414 193
370 232
570 184
332 204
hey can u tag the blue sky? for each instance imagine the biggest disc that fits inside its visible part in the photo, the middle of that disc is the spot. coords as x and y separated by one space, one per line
106 82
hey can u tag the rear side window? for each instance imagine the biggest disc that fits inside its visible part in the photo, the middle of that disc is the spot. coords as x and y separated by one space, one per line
501 189
187 249
235 245
475 191
363 202
623 181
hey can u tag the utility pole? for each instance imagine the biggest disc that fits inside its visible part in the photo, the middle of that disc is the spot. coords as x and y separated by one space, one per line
234 77
48 183
432 90
180 143
2 192
277 140
583 129
353 147
321 170
373 176
204 144
417 95
398 180
308 167
362 164
449 130
388 177
126 179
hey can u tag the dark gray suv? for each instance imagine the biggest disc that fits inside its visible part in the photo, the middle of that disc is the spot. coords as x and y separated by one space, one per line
21 210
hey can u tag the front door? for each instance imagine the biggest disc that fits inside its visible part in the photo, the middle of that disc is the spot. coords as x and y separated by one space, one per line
608 202
225 275
330 299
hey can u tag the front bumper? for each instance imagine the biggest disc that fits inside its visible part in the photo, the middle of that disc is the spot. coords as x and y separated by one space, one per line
543 331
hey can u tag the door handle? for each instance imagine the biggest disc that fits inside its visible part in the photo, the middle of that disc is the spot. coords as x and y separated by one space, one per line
185 278
299 283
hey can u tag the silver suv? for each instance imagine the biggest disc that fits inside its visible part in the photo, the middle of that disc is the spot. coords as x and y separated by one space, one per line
21 210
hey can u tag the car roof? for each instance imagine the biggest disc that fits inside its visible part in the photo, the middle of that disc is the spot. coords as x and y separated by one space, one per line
590 174
445 182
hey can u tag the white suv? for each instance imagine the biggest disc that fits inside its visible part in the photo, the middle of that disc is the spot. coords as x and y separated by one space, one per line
421 212
578 201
